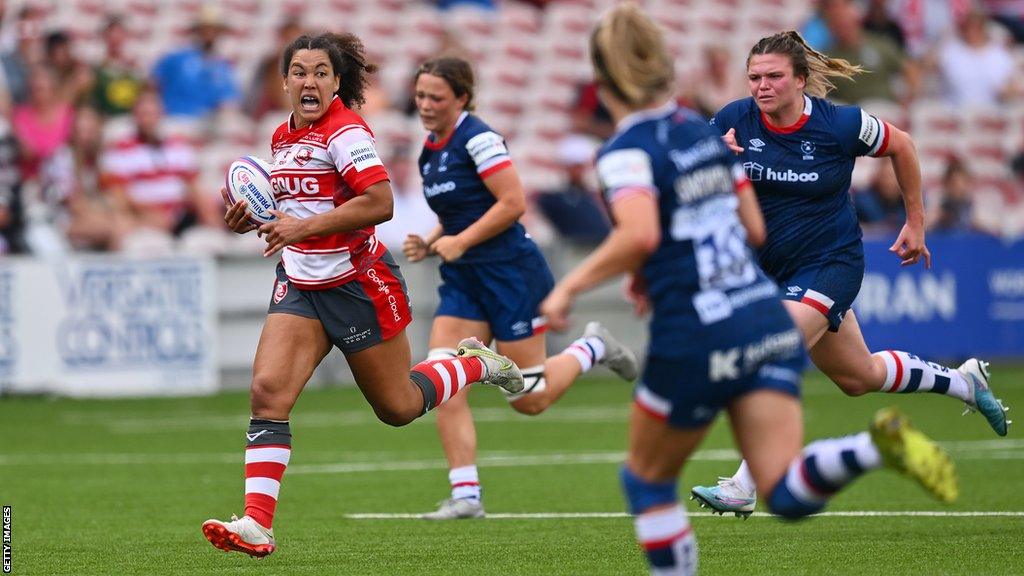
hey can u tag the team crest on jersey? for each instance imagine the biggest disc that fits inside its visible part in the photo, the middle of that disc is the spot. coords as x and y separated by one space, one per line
280 291
304 155
808 149
756 144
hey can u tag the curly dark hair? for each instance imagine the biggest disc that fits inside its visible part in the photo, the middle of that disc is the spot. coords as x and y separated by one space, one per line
348 58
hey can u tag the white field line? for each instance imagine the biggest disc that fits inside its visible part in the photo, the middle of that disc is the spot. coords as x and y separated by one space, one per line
837 514
331 462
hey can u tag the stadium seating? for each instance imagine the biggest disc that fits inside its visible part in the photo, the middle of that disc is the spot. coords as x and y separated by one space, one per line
529 62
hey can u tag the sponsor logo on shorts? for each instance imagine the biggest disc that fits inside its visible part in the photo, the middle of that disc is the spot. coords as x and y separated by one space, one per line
383 288
280 291
356 336
521 327
732 363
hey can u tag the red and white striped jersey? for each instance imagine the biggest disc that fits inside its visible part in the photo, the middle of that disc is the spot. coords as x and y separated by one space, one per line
154 174
316 169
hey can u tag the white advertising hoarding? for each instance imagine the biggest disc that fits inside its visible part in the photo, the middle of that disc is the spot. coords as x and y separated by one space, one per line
108 326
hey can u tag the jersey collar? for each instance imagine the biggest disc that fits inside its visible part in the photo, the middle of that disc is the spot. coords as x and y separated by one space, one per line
792 127
639 116
432 145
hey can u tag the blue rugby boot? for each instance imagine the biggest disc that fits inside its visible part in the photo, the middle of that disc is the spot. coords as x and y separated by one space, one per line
727 496
982 400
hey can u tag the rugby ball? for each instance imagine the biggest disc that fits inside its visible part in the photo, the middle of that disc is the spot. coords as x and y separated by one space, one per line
249 179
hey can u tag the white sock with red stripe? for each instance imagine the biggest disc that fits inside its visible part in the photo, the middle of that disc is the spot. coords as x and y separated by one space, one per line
441 379
465 482
588 351
267 451
668 540
906 373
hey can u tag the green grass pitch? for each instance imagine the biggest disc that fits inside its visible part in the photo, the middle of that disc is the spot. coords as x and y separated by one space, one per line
121 487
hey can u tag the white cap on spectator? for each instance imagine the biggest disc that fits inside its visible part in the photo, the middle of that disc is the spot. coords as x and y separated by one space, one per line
576 149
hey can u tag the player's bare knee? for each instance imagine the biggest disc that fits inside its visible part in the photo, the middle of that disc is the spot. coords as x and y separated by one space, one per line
853 386
530 405
394 415
264 397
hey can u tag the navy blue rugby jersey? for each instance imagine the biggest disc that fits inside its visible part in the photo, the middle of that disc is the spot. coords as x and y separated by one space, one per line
453 172
802 176
702 279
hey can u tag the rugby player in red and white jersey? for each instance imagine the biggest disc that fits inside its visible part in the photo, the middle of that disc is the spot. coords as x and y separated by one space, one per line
336 284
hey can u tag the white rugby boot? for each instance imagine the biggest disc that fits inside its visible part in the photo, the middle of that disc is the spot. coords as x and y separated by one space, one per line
617 356
241 535
457 509
727 496
498 370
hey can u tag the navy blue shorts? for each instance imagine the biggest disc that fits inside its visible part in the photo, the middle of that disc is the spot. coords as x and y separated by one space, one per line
690 389
506 295
828 286
371 308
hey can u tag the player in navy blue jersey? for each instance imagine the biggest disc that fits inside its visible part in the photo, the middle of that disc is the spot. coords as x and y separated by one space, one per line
799 150
720 337
493 275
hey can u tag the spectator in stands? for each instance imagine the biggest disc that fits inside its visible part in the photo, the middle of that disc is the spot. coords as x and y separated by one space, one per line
925 23
878 19
952 207
880 206
74 78
412 214
117 77
11 224
8 30
27 53
976 69
574 209
589 116
877 54
90 221
719 84
194 81
814 31
265 94
152 179
1009 13
42 124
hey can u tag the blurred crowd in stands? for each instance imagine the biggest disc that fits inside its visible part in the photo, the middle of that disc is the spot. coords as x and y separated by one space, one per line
104 150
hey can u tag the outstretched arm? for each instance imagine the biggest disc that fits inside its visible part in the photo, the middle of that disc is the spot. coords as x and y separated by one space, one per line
909 245
635 236
507 189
